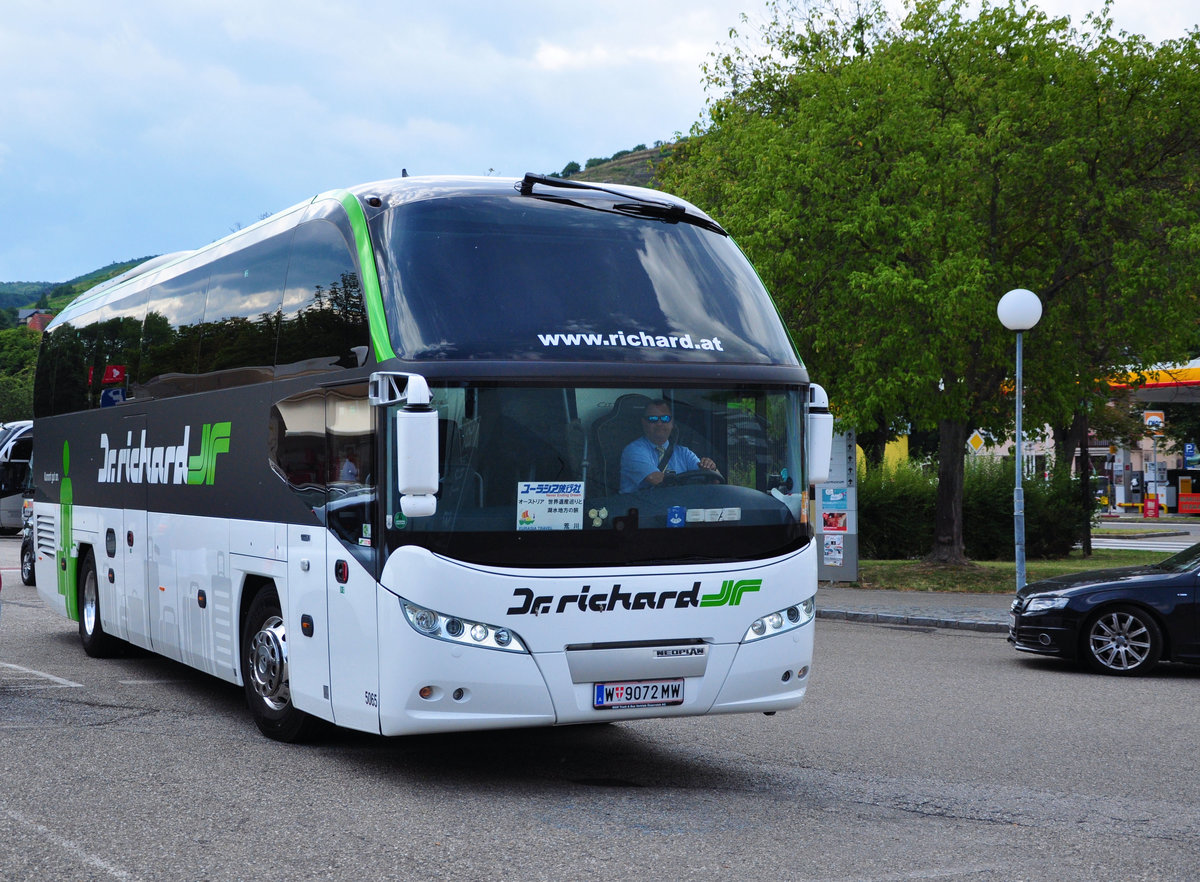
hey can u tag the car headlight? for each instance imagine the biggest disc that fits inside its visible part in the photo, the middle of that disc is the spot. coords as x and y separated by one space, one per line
453 629
795 616
1044 602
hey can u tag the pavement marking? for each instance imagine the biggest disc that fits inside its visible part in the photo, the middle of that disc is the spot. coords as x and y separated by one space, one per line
1142 544
33 679
68 845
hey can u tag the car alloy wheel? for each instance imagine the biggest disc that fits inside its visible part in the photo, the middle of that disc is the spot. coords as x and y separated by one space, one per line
1123 640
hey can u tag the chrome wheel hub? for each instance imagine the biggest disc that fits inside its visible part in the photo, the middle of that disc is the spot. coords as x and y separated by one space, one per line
268 664
90 603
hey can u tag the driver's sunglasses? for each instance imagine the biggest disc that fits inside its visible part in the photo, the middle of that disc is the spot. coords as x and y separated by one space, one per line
658 418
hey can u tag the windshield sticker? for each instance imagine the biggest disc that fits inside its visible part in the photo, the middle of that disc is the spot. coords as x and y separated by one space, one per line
713 515
634 340
550 505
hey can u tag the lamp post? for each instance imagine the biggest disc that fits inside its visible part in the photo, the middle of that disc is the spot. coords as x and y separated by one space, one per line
1019 310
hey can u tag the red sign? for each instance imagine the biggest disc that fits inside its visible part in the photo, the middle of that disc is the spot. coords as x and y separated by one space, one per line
1189 503
114 373
1151 506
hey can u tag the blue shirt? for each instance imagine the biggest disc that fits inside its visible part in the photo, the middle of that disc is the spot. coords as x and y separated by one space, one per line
640 458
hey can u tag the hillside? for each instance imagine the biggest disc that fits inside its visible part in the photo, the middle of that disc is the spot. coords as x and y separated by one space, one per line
63 294
18 294
635 168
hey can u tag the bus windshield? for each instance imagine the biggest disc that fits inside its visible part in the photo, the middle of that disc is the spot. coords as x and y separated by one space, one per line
518 277
566 475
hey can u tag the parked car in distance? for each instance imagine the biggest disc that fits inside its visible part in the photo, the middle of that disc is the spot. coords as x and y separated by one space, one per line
16 449
1119 621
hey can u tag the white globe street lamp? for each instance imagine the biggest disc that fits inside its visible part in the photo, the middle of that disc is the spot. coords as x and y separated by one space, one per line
1019 310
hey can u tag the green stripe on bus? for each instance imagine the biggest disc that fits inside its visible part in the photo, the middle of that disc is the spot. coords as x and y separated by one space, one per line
372 294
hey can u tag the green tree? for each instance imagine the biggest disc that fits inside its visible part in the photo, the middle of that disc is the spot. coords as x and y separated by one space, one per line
892 180
18 356
16 396
18 349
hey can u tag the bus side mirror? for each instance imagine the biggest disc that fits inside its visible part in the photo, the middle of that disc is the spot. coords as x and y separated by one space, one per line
416 440
417 459
819 431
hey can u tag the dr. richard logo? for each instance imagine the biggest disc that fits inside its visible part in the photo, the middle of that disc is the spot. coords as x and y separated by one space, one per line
586 601
136 463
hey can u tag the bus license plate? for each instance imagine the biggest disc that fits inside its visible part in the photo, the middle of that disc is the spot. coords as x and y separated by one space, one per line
638 693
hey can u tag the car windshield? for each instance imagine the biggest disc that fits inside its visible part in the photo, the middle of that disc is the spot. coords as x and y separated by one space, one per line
571 475
1185 561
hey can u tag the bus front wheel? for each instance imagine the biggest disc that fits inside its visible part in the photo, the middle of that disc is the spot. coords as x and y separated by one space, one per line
265 671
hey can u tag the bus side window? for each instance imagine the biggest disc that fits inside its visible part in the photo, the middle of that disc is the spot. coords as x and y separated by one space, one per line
93 365
171 334
60 385
350 452
245 295
323 325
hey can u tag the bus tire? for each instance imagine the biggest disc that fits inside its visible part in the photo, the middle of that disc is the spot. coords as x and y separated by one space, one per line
96 642
265 671
28 571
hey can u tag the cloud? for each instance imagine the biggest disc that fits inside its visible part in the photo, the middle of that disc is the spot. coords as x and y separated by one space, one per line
598 57
136 125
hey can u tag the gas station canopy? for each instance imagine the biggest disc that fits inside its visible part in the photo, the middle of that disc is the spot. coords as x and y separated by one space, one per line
1177 384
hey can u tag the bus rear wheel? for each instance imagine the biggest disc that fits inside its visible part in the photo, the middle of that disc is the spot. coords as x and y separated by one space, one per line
265 671
96 642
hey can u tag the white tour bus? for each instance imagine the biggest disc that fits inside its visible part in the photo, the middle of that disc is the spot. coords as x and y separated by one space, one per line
364 458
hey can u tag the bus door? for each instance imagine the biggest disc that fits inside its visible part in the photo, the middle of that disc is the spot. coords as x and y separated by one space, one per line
350 567
307 616
131 550
152 589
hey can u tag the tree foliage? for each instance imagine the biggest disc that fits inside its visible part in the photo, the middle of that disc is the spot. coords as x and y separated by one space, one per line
18 354
891 180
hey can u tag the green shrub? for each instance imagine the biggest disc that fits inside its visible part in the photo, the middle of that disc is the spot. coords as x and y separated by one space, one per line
895 512
896 509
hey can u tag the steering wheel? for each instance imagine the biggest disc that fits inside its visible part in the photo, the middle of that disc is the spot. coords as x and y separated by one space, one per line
695 476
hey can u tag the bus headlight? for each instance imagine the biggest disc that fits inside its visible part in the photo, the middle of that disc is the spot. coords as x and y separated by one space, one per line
455 629
782 621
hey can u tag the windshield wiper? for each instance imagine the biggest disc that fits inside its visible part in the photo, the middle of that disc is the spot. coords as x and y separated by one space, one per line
656 209
669 212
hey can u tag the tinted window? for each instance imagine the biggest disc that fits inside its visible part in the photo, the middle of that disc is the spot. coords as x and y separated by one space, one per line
95 364
244 297
171 335
323 445
324 322
60 385
521 277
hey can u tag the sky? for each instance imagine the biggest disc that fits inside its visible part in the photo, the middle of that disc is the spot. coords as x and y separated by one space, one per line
138 127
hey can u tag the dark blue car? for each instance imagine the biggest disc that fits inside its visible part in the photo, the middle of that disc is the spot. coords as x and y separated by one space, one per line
1119 621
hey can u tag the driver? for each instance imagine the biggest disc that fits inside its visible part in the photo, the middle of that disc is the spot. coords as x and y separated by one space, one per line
642 463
